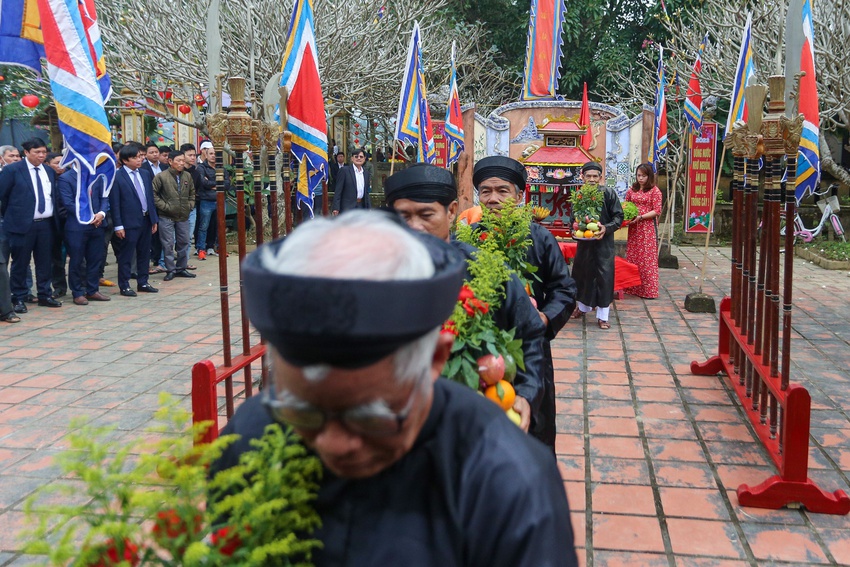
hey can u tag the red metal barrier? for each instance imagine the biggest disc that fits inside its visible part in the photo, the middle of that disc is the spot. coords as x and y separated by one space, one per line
790 448
205 380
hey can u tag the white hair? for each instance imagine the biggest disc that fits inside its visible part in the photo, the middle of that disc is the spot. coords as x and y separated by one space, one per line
360 245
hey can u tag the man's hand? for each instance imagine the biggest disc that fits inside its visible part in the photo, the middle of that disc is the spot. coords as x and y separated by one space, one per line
153 229
98 219
544 318
522 407
601 232
335 213
120 233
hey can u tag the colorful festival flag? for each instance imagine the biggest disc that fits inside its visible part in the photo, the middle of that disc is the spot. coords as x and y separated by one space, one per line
454 118
21 42
693 98
543 50
584 120
413 122
65 33
659 138
808 156
745 71
305 107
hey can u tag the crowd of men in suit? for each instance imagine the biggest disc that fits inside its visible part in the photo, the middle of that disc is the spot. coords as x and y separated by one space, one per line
148 216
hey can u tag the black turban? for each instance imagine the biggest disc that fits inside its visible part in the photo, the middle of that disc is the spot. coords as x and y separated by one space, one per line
591 166
423 183
501 167
349 323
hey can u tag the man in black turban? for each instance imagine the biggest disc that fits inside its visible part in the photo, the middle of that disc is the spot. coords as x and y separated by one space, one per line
417 470
498 179
426 198
593 267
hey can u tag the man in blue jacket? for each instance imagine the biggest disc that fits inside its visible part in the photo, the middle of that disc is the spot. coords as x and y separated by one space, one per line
27 203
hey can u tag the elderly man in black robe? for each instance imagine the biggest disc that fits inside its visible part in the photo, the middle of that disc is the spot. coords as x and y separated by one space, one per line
498 179
426 198
593 266
418 471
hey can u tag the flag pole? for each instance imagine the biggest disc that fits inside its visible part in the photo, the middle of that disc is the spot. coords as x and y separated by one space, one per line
711 221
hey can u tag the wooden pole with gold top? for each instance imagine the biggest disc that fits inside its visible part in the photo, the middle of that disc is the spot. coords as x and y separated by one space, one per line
239 135
286 154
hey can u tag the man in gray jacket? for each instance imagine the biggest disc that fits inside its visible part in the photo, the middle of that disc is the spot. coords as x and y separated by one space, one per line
174 196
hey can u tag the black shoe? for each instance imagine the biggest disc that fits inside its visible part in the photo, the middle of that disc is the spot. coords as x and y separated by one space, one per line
168 277
20 307
134 276
185 274
128 292
147 288
60 293
49 302
31 299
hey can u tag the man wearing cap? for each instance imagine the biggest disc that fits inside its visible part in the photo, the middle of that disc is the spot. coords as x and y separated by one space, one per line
418 471
204 178
498 179
426 198
593 267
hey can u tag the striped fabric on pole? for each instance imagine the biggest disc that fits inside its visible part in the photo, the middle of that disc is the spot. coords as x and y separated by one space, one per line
693 98
745 71
659 138
454 118
78 92
808 156
305 106
413 121
543 50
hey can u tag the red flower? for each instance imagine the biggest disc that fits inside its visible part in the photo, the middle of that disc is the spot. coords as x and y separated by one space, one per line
227 545
465 293
449 329
170 524
512 242
469 309
483 237
112 555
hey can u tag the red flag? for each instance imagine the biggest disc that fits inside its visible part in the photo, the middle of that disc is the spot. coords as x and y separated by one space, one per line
584 120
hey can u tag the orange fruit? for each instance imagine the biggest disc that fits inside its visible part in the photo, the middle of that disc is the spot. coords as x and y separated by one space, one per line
502 393
588 234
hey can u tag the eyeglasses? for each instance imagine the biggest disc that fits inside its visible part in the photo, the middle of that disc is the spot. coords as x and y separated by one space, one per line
374 419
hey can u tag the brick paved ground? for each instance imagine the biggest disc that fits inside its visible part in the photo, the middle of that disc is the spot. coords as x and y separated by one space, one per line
650 454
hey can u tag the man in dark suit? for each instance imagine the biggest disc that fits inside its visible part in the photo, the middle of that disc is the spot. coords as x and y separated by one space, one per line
135 218
27 201
83 241
151 162
351 190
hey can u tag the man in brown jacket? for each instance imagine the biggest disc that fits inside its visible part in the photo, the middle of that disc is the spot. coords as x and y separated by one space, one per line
174 196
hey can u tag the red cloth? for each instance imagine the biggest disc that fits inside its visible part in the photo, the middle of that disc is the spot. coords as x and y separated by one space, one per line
626 274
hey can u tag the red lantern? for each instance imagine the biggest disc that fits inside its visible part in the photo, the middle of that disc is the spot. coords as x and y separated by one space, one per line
356 140
161 139
184 109
30 101
375 124
199 100
2 78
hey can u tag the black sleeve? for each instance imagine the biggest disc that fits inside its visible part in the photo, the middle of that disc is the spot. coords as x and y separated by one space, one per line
518 313
555 293
615 211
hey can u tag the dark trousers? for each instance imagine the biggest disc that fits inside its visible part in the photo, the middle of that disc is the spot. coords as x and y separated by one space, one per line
85 247
136 241
57 263
156 248
5 293
544 428
35 244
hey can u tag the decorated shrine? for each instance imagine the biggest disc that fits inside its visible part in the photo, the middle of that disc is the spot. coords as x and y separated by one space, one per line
554 169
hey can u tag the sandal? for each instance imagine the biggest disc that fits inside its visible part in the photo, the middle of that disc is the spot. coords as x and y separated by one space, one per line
577 314
156 270
191 267
10 317
603 324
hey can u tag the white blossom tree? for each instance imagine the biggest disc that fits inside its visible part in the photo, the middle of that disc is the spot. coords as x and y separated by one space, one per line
157 45
724 23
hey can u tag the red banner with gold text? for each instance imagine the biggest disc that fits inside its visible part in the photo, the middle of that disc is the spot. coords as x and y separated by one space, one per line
700 189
